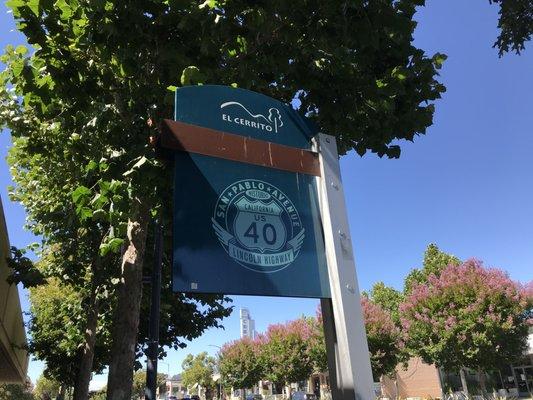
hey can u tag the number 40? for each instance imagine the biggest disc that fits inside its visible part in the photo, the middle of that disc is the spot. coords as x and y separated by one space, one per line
268 233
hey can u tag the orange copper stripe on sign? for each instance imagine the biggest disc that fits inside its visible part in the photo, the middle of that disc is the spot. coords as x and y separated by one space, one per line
180 136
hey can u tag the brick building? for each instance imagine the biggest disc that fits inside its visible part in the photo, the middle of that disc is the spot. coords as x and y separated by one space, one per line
418 380
421 380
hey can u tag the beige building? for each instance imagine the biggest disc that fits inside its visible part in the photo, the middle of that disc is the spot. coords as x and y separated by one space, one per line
13 356
175 387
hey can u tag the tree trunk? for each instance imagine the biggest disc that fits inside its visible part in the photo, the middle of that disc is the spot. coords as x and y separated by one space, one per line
81 388
463 381
120 379
482 382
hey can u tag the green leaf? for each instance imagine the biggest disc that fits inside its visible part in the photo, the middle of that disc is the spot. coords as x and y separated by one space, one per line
80 194
191 76
17 67
85 213
91 166
99 200
112 246
115 244
104 249
14 4
438 60
399 73
172 88
66 10
208 3
99 214
34 6
104 186
21 49
114 185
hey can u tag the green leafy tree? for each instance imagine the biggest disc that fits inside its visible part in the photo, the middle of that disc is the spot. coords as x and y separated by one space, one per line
387 298
139 384
46 388
100 395
11 391
515 23
59 311
239 363
198 370
285 352
57 330
434 262
468 316
48 181
48 188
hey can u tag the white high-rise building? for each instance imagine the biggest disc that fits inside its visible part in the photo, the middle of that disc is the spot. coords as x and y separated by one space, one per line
247 324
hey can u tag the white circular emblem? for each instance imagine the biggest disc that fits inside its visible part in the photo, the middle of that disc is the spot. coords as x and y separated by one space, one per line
258 225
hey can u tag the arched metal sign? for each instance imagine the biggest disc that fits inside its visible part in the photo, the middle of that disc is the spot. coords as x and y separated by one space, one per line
243 227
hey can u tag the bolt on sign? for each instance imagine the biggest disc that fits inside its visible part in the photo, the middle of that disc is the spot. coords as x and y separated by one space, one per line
243 228
259 209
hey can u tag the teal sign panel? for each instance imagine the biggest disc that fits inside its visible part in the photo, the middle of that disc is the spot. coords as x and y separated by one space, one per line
240 228
243 112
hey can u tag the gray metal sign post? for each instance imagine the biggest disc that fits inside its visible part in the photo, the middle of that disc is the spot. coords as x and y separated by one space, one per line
346 343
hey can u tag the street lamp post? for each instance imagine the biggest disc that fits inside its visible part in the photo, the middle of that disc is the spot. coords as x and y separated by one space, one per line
153 343
220 379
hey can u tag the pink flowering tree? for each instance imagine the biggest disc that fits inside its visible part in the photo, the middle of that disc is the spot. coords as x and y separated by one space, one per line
239 363
527 292
384 338
468 316
285 351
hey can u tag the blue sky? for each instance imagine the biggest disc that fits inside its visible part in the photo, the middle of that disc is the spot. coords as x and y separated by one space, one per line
466 185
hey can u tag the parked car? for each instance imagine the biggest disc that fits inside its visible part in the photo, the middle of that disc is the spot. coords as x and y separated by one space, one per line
195 397
254 396
303 396
172 398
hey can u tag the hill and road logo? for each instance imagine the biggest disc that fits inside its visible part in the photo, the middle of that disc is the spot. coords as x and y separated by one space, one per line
270 123
258 226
